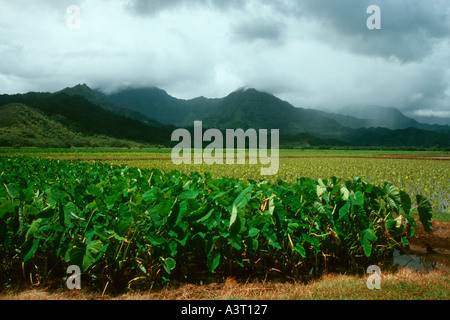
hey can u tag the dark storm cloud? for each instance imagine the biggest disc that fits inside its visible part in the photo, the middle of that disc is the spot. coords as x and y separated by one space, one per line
259 29
152 7
409 27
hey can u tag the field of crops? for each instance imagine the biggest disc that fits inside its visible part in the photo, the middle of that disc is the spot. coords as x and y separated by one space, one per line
428 177
424 173
124 225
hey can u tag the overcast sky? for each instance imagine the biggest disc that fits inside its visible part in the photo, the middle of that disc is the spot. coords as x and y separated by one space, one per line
312 53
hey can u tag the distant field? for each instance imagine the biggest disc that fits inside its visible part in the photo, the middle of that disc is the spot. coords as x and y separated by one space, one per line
420 172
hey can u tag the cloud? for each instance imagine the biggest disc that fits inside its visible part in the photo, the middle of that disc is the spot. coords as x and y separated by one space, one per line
311 53
410 28
259 29
432 113
154 7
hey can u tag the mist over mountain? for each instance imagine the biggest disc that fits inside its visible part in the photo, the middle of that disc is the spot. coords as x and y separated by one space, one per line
149 115
249 108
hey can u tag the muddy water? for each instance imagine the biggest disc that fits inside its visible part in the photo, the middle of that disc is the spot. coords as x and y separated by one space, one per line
418 261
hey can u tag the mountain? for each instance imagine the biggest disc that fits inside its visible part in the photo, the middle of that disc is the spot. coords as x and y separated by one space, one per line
244 108
377 116
389 117
79 115
249 108
24 126
100 100
432 120
293 140
397 138
159 105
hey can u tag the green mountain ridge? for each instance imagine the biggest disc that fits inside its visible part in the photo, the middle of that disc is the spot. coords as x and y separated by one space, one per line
148 116
24 126
250 108
76 114
101 101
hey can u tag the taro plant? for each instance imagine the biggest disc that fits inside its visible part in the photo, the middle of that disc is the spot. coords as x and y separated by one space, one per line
124 226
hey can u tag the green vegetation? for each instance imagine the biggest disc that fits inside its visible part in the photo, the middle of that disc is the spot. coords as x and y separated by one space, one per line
415 172
123 225
24 126
74 121
81 117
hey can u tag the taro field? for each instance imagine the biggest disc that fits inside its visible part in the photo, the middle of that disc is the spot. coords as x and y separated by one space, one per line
430 178
424 173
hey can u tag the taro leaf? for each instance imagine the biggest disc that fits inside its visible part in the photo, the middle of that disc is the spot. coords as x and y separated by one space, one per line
359 199
235 242
243 198
272 238
87 255
425 212
396 226
206 217
405 241
213 261
300 249
412 225
237 221
12 191
54 197
69 211
177 213
153 194
121 227
29 248
168 264
173 247
343 211
390 225
368 237
321 188
159 212
276 211
392 196
155 239
110 201
95 190
253 232
27 194
199 214
345 193
35 225
8 207
179 233
318 207
405 201
46 213
189 195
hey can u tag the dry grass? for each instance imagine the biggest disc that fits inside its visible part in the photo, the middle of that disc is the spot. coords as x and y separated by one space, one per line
406 284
